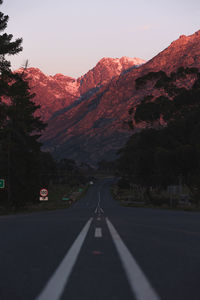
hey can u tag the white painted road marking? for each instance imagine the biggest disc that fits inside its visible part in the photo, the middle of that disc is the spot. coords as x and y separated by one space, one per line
98 232
56 284
99 199
98 209
140 285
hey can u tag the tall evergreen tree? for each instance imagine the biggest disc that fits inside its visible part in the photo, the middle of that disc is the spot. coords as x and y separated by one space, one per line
19 128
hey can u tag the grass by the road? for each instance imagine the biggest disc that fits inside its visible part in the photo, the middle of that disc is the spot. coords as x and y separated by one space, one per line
60 191
56 193
126 197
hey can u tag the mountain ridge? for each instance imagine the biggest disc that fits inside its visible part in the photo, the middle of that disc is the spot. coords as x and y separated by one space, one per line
94 129
56 92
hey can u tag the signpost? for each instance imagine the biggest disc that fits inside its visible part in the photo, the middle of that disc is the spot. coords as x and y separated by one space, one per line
43 198
43 194
2 183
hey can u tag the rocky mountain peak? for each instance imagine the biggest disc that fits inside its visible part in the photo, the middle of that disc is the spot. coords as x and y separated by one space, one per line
184 39
105 70
60 76
122 62
185 52
135 60
56 92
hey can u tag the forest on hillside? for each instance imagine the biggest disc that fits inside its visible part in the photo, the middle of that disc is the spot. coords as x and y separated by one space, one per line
167 151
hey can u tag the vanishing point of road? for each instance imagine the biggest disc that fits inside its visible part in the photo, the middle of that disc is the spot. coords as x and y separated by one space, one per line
99 250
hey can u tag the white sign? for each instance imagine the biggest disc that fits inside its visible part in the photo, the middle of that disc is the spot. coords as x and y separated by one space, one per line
43 198
43 192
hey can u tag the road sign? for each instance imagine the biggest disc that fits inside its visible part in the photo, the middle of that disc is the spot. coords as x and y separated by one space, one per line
2 183
43 198
65 198
43 192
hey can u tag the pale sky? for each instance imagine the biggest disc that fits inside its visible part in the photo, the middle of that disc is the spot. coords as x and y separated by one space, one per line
71 36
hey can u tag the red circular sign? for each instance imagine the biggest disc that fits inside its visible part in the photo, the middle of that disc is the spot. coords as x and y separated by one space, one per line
43 192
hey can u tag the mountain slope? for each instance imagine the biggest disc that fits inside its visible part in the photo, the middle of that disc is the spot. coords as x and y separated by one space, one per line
105 70
52 92
57 92
94 129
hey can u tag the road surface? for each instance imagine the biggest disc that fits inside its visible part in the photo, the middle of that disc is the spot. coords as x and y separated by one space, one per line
98 250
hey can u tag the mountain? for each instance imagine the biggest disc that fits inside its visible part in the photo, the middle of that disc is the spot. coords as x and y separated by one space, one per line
52 92
105 70
56 92
92 128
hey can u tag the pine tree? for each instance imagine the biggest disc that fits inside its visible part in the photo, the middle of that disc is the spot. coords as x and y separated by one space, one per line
7 47
19 128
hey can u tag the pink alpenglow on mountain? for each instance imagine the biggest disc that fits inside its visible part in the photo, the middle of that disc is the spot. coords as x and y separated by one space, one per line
52 92
105 70
88 125
56 92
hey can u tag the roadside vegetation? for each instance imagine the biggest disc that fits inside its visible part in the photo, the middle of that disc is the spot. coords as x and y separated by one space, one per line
66 183
160 164
24 168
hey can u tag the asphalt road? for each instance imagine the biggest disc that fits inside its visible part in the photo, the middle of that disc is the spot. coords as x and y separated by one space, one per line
99 250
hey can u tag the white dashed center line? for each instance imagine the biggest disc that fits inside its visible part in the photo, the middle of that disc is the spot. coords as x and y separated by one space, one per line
98 232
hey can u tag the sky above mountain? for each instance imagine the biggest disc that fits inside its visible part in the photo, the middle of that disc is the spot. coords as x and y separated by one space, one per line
70 36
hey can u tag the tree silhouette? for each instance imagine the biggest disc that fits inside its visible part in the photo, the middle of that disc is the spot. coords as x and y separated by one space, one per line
19 128
160 156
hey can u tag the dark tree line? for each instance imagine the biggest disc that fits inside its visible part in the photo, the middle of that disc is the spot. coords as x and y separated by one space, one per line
20 154
159 156
25 168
